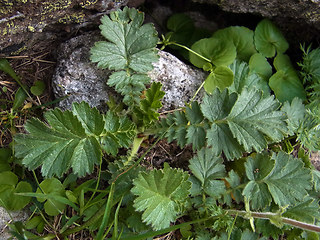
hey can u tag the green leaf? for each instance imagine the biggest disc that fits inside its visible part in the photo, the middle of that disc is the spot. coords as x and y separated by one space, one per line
38 88
311 64
118 132
306 211
209 170
130 45
295 112
54 187
19 98
260 65
185 127
268 39
90 118
160 194
130 49
5 156
281 177
244 123
9 186
253 117
71 140
129 85
147 112
241 37
287 85
214 108
219 52
6 67
221 77
243 78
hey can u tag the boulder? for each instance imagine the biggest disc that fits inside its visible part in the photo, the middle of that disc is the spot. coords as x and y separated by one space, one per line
77 79
25 24
301 17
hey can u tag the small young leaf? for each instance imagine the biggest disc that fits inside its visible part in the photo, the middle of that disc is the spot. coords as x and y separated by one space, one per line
219 52
241 37
221 77
38 88
295 112
147 112
54 187
268 39
19 98
160 193
208 169
5 67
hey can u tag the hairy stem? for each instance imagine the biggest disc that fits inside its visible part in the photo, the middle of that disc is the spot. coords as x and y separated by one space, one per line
190 50
270 216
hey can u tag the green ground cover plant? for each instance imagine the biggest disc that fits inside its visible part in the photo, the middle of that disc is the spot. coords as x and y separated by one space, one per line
250 176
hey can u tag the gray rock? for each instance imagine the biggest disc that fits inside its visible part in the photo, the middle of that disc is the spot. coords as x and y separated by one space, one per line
77 79
6 218
301 17
81 80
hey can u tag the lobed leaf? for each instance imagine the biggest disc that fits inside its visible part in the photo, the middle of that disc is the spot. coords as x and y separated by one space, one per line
281 178
147 112
209 170
244 78
71 140
160 193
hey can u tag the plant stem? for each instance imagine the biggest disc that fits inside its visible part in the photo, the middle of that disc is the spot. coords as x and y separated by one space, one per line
190 50
270 216
198 90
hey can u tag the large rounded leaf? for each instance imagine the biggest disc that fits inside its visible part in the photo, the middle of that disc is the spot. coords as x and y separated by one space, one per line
241 37
269 39
217 51
221 77
286 85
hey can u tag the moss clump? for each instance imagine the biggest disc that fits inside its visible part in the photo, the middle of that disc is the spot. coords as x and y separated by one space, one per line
49 7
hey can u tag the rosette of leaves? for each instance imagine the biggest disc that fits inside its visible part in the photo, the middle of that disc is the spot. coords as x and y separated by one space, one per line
129 51
72 139
229 122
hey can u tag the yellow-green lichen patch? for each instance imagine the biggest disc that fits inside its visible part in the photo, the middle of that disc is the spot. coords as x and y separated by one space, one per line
313 16
74 18
10 27
87 3
57 5
31 29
